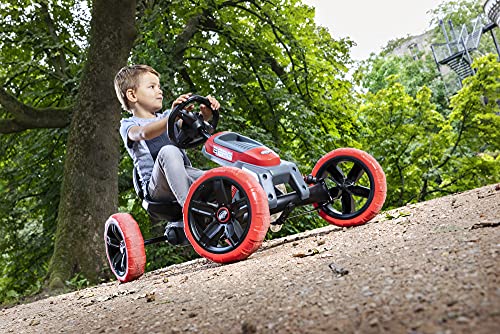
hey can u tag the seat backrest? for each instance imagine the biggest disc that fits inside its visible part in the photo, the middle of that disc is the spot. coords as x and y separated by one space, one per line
169 211
137 183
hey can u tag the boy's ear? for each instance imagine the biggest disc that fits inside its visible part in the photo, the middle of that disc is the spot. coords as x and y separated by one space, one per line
130 94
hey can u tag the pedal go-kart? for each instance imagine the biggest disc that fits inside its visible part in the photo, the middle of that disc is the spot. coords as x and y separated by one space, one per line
227 212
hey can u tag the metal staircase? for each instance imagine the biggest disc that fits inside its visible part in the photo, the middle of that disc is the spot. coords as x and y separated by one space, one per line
460 64
454 56
455 53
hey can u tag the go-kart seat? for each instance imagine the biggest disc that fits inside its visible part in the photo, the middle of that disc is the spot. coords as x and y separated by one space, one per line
169 211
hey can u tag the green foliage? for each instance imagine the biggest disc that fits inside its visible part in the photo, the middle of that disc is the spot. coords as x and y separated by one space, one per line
475 155
457 11
78 282
403 134
41 63
412 73
30 185
425 153
42 47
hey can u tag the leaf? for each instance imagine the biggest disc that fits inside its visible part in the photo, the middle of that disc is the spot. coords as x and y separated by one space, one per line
389 216
310 252
150 297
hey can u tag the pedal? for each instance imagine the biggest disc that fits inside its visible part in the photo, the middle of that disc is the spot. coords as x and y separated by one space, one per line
278 224
175 235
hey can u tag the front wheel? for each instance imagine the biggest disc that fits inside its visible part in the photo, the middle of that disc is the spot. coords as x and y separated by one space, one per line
226 215
124 247
356 184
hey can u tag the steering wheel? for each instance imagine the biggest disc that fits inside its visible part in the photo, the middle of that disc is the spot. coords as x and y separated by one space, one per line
194 130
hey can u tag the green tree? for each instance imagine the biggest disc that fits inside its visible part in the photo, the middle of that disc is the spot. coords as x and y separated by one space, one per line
412 73
274 76
404 133
450 153
40 64
474 154
51 79
425 154
459 12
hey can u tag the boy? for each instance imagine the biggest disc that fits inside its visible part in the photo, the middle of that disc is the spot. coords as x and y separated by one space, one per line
165 171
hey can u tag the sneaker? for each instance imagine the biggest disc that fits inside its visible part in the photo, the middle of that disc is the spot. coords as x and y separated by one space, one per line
174 231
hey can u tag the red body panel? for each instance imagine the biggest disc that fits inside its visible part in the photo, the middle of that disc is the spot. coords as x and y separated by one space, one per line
260 156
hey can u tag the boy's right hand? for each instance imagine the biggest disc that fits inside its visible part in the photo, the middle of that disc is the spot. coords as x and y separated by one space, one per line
181 99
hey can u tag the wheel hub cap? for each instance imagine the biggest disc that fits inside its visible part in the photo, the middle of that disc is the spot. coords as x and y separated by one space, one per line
223 215
346 184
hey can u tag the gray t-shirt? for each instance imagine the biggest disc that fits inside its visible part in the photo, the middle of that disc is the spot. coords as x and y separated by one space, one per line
144 152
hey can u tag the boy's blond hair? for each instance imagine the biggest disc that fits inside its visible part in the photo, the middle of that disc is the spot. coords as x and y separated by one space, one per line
128 78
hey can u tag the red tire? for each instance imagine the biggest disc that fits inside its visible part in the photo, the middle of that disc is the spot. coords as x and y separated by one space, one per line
357 184
226 215
124 247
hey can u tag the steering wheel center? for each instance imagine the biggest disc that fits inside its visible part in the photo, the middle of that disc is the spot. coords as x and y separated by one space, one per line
194 130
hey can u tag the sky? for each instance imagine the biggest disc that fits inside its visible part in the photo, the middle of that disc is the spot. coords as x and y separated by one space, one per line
372 23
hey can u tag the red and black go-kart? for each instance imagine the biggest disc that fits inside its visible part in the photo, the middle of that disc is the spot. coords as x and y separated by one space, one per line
227 212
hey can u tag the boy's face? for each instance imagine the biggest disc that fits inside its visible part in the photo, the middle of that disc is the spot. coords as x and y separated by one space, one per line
148 95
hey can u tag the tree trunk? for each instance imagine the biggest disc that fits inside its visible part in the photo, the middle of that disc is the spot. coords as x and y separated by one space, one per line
89 191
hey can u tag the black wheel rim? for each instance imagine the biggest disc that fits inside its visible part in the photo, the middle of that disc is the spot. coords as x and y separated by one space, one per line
219 215
117 251
350 184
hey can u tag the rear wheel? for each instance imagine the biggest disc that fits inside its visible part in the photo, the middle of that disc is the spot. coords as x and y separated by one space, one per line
226 215
356 183
124 247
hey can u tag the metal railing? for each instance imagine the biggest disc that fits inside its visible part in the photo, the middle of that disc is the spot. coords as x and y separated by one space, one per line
465 42
492 10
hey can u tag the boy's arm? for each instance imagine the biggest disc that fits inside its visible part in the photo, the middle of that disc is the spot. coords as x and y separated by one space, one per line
154 129
149 131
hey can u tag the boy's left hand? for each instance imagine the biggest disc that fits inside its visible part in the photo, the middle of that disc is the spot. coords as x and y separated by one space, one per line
205 111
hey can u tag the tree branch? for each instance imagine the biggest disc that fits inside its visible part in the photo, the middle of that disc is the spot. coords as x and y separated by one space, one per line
10 126
457 142
184 37
180 47
26 117
58 59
